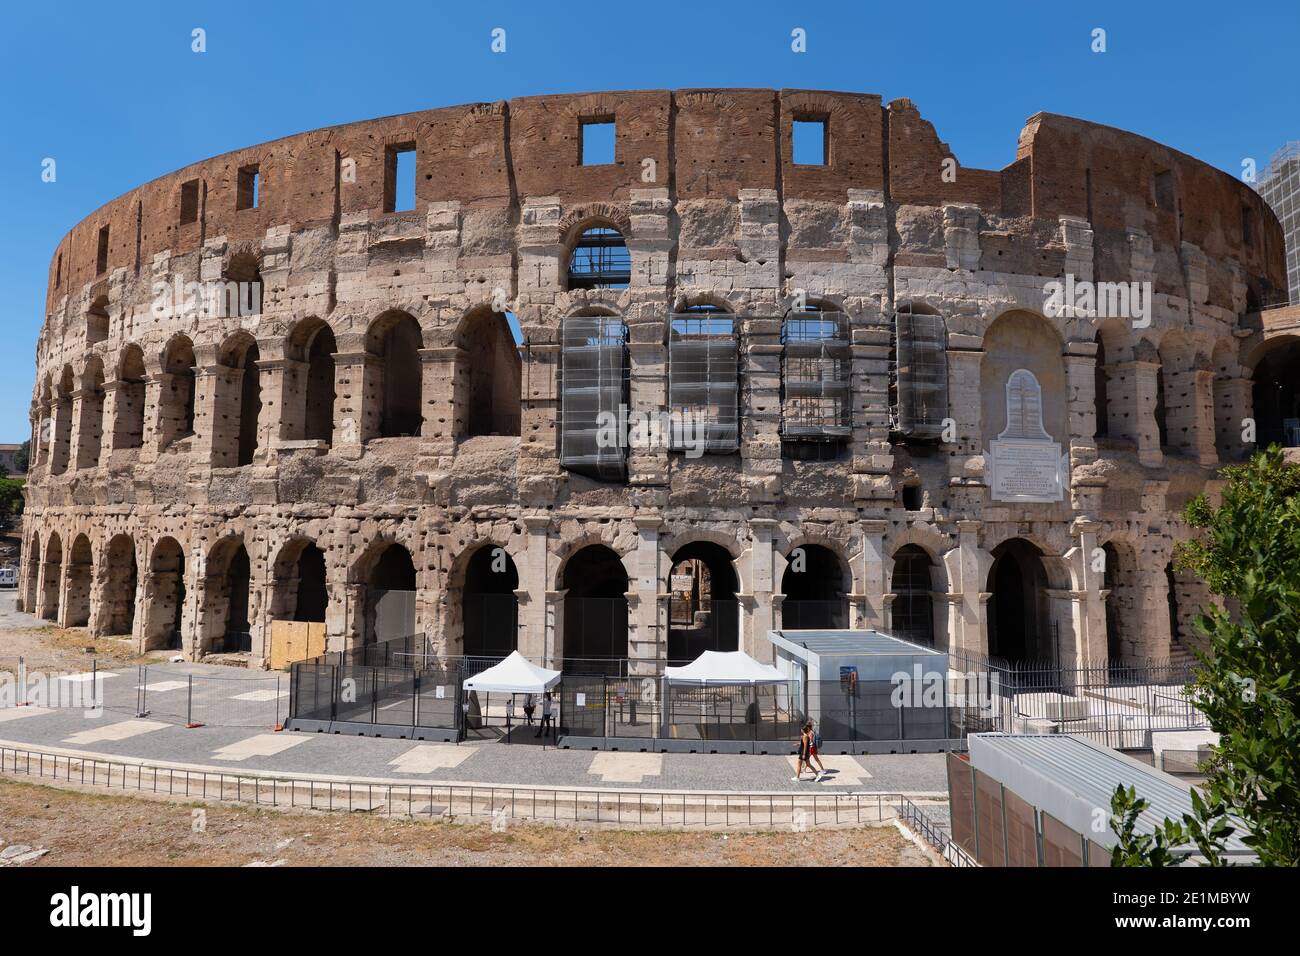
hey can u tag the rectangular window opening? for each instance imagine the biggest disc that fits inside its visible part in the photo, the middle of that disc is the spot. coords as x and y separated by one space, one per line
1247 225
58 272
1163 182
810 137
101 257
246 191
189 202
598 142
399 178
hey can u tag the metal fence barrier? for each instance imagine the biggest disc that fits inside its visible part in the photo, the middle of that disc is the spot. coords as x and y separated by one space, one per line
797 811
197 700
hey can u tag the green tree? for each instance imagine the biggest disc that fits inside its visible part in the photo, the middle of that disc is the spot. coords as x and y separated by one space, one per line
22 457
1246 682
11 500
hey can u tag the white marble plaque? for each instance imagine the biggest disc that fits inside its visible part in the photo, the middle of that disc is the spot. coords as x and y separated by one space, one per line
1026 470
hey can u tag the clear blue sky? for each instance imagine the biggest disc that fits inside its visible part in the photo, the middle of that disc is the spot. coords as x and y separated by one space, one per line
113 93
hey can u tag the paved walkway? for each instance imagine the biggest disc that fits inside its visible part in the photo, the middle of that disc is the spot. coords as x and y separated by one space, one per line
239 710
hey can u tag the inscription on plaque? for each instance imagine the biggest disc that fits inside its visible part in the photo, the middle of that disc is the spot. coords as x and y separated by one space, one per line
1024 463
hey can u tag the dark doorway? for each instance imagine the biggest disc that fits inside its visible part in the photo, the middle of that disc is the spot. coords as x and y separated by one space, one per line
813 585
313 595
1171 596
1110 582
1017 610
1276 393
402 415
595 608
491 609
238 636
319 424
390 596
250 406
912 612
703 614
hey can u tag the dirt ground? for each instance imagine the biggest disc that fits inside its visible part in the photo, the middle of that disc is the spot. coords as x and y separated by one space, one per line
94 829
49 648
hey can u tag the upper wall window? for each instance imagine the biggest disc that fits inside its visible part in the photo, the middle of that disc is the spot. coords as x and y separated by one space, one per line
1247 225
58 272
600 260
246 192
101 257
598 142
189 202
1163 185
399 178
703 380
811 143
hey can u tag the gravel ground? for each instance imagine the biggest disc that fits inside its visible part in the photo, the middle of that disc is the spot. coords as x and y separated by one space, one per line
92 829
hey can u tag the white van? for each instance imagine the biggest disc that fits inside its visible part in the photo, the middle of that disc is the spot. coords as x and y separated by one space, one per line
8 577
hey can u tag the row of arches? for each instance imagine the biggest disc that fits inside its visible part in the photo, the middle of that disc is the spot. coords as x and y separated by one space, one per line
66 582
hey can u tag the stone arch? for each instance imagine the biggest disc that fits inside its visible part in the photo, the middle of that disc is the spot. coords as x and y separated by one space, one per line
299 582
238 402
1275 391
704 615
1114 397
394 385
596 255
596 583
97 320
1019 339
79 578
483 605
61 447
164 596
310 391
1121 580
912 608
244 287
32 556
488 375
815 586
1019 612
177 391
51 574
128 400
119 579
226 614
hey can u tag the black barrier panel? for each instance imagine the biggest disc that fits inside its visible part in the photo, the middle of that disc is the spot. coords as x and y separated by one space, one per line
633 707
354 694
437 699
312 697
394 695
582 706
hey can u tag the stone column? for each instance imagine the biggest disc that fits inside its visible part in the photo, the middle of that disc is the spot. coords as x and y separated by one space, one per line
87 425
284 402
967 627
648 643
1081 401
1232 405
61 442
1144 413
535 642
444 418
356 402
762 613
1087 645
872 609
218 392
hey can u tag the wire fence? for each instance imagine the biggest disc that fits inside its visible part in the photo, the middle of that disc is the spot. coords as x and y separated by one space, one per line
680 809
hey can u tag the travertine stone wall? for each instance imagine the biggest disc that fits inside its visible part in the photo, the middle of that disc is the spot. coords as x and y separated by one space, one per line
714 211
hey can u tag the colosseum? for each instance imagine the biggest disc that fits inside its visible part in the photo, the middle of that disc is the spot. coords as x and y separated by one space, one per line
840 391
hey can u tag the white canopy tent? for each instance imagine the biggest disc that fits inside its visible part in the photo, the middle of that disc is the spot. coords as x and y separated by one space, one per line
514 675
718 668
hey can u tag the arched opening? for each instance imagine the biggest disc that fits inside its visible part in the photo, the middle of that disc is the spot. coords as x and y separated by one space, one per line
97 320
299 591
1159 413
166 597
390 596
228 598
703 613
489 606
81 573
594 385
1275 387
912 610
62 445
90 426
319 414
176 404
239 403
1025 341
814 585
128 423
33 555
396 338
120 573
243 286
1018 611
487 375
595 606
1114 605
600 260
703 381
50 578
1101 398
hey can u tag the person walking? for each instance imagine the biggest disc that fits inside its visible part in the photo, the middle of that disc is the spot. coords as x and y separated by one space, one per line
805 741
814 745
548 713
530 705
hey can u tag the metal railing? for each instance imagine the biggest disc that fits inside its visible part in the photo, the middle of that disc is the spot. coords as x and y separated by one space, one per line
682 810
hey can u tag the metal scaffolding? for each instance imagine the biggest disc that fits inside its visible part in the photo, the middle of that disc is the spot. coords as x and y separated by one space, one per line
600 261
593 396
921 374
703 382
1279 185
816 361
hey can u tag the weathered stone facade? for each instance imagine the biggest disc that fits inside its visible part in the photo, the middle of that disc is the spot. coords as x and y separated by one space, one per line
144 440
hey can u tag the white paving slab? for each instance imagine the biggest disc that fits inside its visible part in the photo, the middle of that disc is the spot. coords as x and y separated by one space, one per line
260 745
122 730
614 767
163 686
425 758
845 770
260 695
18 713
88 675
